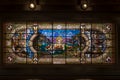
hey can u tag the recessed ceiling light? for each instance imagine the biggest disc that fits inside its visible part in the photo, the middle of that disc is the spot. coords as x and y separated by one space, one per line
32 5
84 6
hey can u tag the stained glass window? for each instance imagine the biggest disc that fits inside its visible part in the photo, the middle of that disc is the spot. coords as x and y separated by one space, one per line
58 43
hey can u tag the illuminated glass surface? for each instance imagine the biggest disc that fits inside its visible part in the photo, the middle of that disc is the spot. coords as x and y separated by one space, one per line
59 43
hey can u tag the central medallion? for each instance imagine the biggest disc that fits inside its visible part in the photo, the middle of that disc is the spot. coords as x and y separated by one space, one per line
58 41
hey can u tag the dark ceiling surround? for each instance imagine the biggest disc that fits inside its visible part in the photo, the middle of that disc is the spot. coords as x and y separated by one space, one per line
60 5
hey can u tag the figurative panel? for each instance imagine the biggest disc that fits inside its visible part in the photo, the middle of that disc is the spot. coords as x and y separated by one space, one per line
58 43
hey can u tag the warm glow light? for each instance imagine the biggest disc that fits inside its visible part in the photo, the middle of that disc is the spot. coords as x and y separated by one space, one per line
32 5
84 6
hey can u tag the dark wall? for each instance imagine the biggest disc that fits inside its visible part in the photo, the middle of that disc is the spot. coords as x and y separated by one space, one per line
64 72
